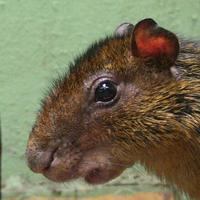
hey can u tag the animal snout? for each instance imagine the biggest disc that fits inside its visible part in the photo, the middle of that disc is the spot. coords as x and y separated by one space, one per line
40 161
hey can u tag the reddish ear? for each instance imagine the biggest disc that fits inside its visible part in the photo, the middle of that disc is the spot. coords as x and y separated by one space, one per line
154 42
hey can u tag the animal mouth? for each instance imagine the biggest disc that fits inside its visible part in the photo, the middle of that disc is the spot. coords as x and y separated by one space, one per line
94 166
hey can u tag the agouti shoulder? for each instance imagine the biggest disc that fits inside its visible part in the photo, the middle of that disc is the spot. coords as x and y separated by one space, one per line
132 97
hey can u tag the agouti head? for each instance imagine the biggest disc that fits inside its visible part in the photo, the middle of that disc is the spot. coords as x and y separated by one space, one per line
117 105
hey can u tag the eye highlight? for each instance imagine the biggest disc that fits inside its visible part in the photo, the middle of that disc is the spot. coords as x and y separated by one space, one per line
105 91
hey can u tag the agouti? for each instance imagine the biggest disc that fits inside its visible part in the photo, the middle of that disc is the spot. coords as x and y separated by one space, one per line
132 97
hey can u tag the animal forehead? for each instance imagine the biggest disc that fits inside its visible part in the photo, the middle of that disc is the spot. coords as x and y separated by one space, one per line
107 55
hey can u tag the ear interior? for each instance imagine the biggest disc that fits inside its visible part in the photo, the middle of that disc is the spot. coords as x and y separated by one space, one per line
150 41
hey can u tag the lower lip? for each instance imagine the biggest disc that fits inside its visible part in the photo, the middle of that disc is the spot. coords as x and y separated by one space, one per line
62 177
53 174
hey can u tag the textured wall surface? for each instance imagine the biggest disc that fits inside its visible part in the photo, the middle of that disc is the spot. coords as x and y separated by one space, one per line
38 38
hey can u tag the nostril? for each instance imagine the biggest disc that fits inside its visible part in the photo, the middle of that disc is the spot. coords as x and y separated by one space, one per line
40 161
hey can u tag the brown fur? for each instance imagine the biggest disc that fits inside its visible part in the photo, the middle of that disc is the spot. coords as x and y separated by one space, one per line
156 121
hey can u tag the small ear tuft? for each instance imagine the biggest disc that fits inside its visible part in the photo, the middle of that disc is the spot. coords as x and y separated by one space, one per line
124 29
154 42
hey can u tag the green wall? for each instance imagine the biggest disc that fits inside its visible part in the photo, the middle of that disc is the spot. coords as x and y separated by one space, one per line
38 38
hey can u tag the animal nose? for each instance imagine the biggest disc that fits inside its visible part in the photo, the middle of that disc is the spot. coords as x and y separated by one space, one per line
39 161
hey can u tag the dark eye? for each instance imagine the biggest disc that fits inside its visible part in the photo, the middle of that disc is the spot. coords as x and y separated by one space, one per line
105 91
